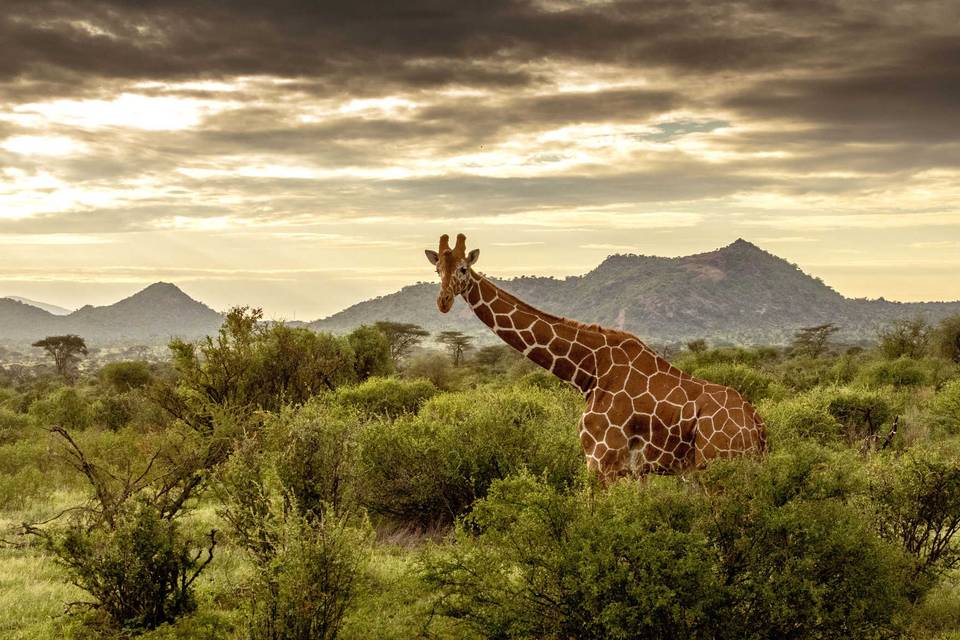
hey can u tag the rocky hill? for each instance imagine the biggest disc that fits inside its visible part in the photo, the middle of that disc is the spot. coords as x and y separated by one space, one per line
155 314
738 293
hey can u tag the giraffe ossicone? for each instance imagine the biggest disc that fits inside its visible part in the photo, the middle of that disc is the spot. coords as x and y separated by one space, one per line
643 414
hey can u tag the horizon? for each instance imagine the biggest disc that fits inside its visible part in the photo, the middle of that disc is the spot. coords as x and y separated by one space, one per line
301 159
279 317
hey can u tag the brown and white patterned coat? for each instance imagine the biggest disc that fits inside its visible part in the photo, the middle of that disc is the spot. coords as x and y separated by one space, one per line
643 414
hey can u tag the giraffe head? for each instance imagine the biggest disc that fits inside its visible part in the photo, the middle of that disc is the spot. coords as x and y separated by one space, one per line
453 267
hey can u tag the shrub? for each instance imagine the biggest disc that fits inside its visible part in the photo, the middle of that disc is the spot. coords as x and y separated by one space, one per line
752 384
64 407
798 557
124 376
860 413
917 501
113 411
371 351
140 571
765 550
434 367
13 425
800 417
315 455
532 562
311 581
388 397
946 408
902 372
429 468
908 338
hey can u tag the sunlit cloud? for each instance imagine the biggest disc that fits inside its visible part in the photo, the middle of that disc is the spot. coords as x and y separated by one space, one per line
42 145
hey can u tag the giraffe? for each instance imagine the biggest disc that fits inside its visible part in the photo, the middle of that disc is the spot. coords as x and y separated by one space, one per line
643 415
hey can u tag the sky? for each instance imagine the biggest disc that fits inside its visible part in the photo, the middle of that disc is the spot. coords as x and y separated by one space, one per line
299 156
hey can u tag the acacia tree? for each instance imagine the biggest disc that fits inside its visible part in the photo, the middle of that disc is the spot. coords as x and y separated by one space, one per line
813 341
402 337
457 342
946 338
65 351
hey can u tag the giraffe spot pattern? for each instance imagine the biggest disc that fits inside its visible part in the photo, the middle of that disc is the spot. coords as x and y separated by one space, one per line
643 415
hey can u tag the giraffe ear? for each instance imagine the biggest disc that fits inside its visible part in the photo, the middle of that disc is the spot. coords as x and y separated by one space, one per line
432 256
472 257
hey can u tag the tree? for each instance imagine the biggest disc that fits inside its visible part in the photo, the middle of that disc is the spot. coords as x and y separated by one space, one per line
126 375
65 351
402 337
697 346
905 338
457 342
946 339
371 352
813 341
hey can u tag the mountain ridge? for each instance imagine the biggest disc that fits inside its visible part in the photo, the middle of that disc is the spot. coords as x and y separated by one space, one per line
738 293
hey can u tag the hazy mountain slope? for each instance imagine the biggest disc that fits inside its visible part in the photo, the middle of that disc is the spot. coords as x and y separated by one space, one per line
739 293
51 308
154 314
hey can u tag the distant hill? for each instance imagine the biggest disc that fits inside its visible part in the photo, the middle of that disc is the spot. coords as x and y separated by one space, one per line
155 314
738 293
51 308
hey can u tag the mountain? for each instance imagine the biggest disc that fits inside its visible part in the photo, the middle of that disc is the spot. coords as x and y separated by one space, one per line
155 314
738 293
51 308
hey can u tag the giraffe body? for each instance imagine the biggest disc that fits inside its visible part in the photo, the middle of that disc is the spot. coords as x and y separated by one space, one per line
643 414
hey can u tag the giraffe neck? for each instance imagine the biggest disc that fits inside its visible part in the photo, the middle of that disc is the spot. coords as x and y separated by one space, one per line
563 347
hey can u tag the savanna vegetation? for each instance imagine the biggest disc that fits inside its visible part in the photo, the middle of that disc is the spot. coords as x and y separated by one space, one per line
275 483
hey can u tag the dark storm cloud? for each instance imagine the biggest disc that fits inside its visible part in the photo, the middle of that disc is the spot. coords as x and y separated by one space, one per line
415 43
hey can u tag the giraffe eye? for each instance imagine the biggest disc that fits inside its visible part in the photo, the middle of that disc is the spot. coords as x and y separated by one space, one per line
463 269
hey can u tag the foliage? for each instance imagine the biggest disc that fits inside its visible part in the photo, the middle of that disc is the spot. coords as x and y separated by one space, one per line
945 341
402 337
140 569
311 581
64 407
65 351
902 372
917 501
429 468
769 550
813 341
697 346
371 352
316 449
752 384
125 376
545 564
905 338
860 413
250 365
387 397
433 367
457 342
946 408
799 418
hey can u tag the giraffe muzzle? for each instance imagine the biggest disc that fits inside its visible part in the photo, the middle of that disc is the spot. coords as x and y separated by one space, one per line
445 302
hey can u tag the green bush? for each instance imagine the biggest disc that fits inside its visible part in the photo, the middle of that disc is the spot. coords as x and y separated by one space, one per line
799 417
316 450
125 376
861 413
371 352
429 468
775 549
387 397
64 407
752 384
798 557
917 501
140 570
435 367
311 581
946 408
902 372
13 425
533 562
112 411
